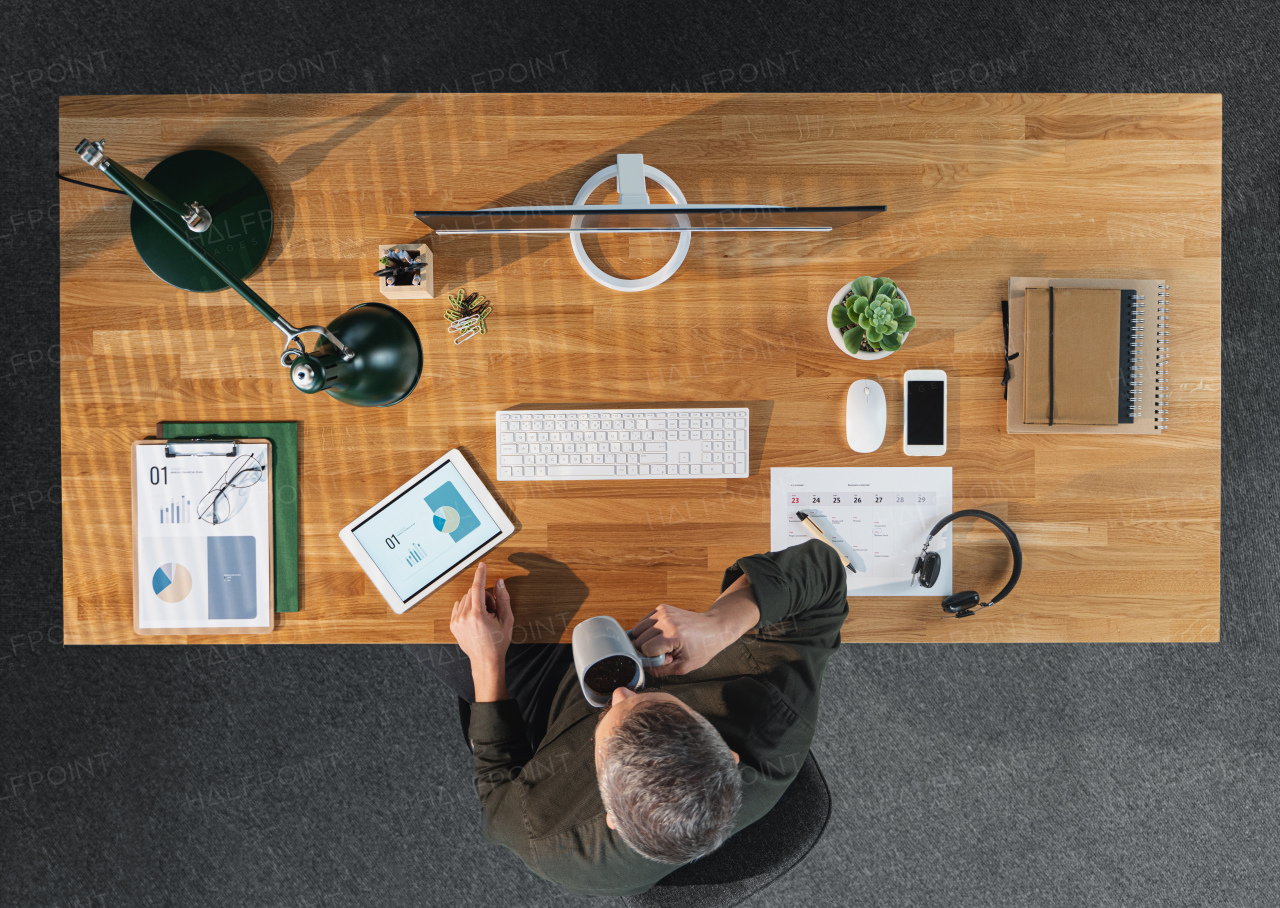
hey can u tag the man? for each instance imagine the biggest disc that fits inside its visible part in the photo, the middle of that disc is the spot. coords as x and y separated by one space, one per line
609 802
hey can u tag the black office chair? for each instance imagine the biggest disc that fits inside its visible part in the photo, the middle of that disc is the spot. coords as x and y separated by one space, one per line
750 860
753 858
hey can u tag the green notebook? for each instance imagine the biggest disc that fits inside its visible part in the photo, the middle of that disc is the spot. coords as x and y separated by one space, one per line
284 479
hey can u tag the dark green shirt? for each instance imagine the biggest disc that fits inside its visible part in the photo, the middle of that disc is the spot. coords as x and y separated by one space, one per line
760 693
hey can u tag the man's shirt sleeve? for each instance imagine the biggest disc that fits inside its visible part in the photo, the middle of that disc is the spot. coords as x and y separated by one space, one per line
501 752
800 592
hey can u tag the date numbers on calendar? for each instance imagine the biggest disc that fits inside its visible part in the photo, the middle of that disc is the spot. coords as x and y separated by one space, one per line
861 497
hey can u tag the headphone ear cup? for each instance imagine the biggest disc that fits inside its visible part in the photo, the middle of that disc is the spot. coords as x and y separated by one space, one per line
958 602
930 569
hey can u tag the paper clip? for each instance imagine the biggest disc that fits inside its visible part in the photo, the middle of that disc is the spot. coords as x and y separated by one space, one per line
470 325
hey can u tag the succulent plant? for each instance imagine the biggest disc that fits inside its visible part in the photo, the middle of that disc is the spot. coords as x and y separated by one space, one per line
872 316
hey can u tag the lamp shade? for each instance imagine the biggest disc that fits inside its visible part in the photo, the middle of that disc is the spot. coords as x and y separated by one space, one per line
386 365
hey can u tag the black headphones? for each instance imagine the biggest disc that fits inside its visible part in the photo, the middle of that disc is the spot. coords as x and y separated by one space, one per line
929 563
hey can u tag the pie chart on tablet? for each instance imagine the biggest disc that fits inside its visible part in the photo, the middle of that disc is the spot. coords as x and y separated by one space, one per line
171 582
446 519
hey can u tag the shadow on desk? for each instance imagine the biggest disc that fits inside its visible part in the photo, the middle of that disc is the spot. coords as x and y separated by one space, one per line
545 600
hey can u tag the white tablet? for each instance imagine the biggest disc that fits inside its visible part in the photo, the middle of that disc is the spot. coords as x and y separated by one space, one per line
426 531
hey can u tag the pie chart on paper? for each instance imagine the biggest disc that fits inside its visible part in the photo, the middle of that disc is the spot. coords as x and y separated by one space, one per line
446 519
171 582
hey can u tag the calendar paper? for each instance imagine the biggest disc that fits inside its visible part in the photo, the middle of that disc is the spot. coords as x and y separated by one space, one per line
885 513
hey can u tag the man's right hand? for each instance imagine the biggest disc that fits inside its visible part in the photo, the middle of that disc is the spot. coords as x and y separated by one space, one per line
482 623
692 639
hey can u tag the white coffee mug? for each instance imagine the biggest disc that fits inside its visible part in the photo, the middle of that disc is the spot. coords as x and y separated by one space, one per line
601 638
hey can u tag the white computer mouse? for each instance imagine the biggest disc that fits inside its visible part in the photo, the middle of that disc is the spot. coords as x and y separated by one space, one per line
865 414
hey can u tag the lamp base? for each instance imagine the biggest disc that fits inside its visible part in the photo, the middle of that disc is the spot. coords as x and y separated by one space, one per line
388 356
236 200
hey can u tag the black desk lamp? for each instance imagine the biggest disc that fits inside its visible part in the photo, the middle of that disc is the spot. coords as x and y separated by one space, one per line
369 356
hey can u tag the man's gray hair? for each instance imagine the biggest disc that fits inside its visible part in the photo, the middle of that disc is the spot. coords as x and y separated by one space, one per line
670 782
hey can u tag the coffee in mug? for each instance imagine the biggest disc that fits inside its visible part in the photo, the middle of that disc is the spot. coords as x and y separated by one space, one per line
606 659
613 672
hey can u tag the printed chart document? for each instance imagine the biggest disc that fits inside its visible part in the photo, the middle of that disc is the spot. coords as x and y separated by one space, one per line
885 513
202 541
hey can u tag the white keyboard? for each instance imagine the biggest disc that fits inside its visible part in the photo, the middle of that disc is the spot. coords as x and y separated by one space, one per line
622 444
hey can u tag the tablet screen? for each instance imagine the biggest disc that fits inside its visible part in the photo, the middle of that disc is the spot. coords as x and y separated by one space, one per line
433 526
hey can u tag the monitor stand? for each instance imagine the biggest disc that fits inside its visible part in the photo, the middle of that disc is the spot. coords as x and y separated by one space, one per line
630 173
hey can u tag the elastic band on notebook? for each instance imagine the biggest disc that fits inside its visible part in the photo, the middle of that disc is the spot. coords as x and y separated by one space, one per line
1008 357
1051 356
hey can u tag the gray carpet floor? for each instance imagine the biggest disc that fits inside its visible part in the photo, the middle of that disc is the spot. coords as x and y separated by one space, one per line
961 776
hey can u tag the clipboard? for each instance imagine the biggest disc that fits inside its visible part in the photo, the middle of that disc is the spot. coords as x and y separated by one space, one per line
202 518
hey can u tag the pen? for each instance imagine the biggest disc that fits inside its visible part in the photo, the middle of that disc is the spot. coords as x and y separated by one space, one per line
820 527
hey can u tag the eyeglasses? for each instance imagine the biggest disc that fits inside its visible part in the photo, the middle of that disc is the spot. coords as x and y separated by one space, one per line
215 506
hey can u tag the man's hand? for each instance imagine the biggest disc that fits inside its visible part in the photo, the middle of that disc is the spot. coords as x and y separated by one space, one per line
481 623
692 639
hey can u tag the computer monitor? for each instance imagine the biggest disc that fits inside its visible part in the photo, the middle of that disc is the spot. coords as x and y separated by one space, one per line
645 219
633 213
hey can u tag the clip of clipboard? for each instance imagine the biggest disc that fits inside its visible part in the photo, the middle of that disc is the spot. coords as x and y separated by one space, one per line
202 447
181 514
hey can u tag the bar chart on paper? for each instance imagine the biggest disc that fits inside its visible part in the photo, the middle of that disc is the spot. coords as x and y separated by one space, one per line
176 511
885 513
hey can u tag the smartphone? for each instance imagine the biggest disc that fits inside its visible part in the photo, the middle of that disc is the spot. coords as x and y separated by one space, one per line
924 412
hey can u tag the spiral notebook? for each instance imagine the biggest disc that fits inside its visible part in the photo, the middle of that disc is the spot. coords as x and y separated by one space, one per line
1088 356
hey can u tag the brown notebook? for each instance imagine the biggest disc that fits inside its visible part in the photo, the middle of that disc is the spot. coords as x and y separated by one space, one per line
1072 370
1142 357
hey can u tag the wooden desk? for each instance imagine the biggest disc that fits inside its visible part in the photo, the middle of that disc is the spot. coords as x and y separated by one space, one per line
1120 534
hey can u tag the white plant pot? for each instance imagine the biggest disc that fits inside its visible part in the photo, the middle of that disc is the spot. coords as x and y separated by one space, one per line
838 339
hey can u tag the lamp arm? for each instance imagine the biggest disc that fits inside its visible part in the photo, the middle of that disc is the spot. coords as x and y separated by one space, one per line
141 185
132 186
293 348
194 215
